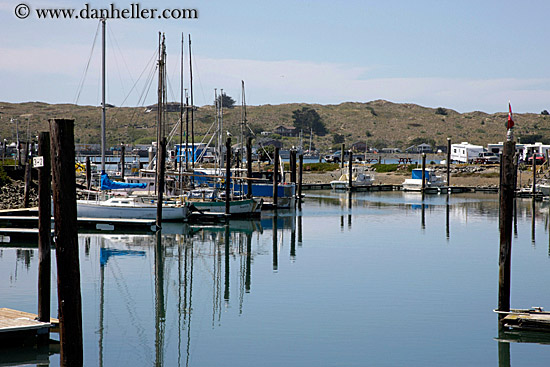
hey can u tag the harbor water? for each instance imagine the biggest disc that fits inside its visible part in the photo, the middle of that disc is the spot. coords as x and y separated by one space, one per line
375 279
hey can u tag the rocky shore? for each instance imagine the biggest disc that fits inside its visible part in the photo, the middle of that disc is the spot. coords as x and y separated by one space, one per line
12 195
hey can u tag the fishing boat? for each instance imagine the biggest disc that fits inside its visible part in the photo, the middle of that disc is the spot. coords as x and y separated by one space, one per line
433 182
358 179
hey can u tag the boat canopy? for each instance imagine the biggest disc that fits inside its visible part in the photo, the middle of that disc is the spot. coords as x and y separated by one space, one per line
107 184
417 174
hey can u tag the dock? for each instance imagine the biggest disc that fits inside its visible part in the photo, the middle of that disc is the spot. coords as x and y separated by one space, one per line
18 325
532 319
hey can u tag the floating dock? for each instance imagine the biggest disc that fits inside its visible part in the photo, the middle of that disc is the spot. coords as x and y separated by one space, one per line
18 325
523 319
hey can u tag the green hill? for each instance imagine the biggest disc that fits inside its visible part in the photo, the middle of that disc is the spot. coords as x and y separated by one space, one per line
380 123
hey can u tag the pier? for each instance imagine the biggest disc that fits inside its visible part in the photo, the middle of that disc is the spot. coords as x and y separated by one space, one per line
17 326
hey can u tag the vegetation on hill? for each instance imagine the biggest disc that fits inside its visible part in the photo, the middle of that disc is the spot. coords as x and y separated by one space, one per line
379 123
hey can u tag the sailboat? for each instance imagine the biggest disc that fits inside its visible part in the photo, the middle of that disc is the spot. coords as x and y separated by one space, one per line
129 207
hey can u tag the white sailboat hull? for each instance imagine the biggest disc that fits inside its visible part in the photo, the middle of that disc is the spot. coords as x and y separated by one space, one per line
98 209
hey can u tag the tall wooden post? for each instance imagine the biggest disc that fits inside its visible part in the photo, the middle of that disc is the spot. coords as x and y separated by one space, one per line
249 167
228 176
276 177
534 168
293 166
27 189
226 257
44 229
350 172
342 156
300 176
505 225
160 180
448 162
275 244
88 173
423 171
68 271
122 151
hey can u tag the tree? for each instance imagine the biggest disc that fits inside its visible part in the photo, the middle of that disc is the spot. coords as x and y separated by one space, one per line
338 138
227 101
441 111
307 118
545 112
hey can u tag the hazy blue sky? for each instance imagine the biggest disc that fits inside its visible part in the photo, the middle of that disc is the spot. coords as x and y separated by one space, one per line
464 55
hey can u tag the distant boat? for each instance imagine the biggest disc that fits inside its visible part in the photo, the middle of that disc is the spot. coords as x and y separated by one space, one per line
130 207
358 179
208 200
415 182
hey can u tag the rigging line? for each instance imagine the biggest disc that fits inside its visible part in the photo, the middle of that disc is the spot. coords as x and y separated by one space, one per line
83 78
196 74
113 42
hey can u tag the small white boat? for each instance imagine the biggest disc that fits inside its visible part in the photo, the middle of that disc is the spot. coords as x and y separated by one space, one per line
358 179
208 200
414 183
130 207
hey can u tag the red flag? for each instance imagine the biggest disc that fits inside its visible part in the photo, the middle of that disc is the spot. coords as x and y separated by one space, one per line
510 123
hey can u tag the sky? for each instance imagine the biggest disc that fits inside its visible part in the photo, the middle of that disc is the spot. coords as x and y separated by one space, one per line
463 55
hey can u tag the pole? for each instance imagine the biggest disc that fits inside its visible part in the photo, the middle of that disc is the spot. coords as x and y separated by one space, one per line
227 176
534 168
44 229
192 108
68 273
275 177
122 153
160 173
448 162
103 107
293 166
350 174
423 171
88 173
249 167
342 156
300 175
505 225
26 191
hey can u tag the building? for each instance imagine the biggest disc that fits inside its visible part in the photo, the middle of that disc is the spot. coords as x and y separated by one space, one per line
286 131
465 152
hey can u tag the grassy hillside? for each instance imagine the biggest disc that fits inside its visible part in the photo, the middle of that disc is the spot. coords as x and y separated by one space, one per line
380 123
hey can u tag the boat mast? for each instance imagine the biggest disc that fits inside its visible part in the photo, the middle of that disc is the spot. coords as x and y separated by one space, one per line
217 114
103 138
181 119
243 122
221 126
192 107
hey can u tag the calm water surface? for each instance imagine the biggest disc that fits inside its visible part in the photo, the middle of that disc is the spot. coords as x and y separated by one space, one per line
385 279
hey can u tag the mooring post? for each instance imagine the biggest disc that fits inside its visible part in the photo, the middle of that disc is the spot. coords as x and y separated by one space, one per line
448 163
423 172
27 189
160 180
275 244
88 173
293 166
122 151
534 165
228 176
350 172
276 177
66 234
44 231
505 225
249 167
300 177
342 160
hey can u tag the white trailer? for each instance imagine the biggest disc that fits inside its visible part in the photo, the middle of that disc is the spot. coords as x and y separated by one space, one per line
465 152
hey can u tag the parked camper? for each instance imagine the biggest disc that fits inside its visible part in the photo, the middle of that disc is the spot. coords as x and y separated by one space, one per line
465 152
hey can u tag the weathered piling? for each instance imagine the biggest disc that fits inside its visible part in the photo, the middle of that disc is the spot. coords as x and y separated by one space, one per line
448 163
293 166
342 156
122 151
68 271
26 191
44 229
249 167
228 176
300 177
88 173
276 177
160 179
505 225
350 172
423 172
534 169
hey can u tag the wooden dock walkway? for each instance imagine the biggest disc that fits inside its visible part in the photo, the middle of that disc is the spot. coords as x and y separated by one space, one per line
16 324
531 319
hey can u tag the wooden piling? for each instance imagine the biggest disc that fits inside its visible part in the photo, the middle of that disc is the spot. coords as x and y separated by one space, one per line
350 172
300 177
68 271
293 166
275 245
448 163
423 172
228 176
122 151
249 167
26 191
276 177
505 225
160 179
342 156
88 173
534 168
44 229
